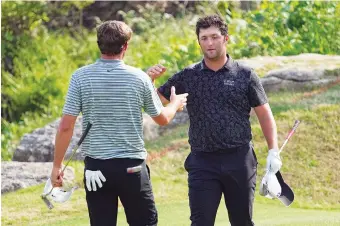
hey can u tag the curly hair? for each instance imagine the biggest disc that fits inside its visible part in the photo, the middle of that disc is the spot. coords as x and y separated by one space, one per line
212 21
112 35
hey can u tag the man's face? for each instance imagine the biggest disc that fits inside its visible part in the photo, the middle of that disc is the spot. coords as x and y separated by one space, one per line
212 43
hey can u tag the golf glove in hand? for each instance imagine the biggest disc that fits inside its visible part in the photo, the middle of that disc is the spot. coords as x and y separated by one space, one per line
92 178
274 162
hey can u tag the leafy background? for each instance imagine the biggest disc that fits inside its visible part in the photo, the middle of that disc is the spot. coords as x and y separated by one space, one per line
39 55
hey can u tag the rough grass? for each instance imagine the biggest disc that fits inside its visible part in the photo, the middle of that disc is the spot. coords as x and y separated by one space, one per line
310 166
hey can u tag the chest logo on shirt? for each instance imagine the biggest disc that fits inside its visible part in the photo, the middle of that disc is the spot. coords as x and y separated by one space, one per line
228 82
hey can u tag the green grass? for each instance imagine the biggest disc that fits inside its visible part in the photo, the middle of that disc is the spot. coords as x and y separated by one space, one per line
310 165
172 213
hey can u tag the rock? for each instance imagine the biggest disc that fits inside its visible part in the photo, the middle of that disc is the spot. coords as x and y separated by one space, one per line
38 146
179 119
17 175
295 72
297 79
150 128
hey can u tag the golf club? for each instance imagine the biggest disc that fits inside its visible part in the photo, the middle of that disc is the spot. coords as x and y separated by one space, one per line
44 196
286 194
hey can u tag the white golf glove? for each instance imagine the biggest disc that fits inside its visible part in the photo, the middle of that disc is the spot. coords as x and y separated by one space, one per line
274 162
93 177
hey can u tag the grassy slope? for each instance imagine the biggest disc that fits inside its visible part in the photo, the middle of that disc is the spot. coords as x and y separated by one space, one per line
310 167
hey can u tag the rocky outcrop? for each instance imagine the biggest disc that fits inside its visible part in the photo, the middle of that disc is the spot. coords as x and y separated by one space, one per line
298 78
38 146
295 72
16 175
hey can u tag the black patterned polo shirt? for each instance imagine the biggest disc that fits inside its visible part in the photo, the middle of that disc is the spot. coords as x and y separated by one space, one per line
219 104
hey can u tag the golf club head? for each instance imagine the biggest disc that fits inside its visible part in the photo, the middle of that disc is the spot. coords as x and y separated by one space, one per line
60 195
47 191
287 194
56 194
270 186
47 202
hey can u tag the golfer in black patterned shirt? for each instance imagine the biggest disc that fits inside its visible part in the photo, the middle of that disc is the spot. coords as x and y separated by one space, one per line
222 159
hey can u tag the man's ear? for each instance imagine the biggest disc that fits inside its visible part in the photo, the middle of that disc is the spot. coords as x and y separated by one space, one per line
125 46
226 38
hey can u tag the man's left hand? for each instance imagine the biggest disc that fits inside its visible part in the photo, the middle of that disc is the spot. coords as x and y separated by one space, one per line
274 162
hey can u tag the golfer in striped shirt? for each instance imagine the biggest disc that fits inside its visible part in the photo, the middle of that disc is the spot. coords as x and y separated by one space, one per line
111 95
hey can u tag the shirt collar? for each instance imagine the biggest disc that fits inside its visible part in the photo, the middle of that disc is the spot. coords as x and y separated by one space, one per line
101 60
228 65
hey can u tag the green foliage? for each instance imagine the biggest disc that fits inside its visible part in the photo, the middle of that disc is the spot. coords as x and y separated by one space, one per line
163 39
289 28
36 94
38 62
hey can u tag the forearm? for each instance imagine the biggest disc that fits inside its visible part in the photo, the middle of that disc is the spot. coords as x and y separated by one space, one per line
269 130
62 142
167 114
162 98
170 111
268 126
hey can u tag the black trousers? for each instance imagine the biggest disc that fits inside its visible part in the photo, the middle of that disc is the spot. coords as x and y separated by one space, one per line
211 174
133 189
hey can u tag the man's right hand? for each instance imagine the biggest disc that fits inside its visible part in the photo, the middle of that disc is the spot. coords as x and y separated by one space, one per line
179 100
156 71
57 177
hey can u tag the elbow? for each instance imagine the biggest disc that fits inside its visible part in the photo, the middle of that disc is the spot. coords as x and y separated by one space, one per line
65 125
63 128
165 122
161 120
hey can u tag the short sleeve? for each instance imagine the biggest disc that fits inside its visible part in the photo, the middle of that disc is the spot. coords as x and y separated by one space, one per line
256 94
175 80
152 104
73 99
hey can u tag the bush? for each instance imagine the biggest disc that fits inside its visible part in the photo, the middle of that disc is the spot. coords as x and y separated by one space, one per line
37 63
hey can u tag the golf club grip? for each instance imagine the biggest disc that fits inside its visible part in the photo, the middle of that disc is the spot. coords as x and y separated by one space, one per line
88 127
296 124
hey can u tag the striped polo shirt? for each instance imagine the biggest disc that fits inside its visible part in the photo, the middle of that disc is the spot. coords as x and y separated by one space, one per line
111 95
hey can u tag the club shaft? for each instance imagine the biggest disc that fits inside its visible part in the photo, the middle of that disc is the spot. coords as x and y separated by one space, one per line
290 134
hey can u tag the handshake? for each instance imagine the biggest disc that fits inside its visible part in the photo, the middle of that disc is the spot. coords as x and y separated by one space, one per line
178 100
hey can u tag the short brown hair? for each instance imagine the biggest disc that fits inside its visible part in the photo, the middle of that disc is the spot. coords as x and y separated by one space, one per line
112 35
212 21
